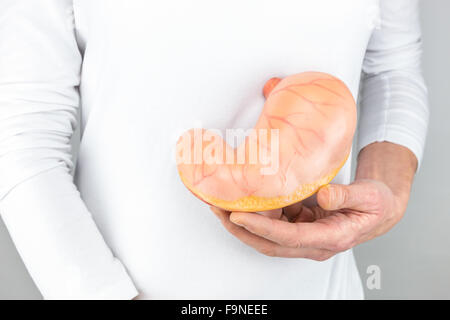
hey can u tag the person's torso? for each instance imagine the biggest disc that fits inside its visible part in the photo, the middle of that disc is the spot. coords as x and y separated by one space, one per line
153 69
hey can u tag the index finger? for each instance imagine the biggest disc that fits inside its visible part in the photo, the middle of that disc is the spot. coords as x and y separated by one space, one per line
322 234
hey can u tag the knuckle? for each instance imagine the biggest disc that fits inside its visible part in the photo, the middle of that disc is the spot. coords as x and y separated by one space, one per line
295 240
374 195
343 245
296 243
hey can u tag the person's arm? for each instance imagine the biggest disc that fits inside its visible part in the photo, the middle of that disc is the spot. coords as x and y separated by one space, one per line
393 124
393 165
394 104
51 227
346 215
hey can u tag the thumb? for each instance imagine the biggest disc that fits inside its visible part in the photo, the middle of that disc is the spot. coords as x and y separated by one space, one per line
339 196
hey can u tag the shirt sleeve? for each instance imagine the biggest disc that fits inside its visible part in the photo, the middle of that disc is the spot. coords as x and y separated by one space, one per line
50 225
394 105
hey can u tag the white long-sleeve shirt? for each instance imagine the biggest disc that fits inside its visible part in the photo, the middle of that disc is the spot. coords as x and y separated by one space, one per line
146 71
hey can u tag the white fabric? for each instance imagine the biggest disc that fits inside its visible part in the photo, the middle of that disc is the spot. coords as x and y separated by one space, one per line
146 71
394 96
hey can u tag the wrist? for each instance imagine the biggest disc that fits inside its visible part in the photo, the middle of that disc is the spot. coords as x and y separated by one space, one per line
392 164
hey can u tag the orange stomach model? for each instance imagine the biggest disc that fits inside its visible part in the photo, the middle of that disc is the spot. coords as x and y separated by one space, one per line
299 143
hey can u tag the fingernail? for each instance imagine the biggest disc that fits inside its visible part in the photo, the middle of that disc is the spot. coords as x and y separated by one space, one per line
236 221
326 195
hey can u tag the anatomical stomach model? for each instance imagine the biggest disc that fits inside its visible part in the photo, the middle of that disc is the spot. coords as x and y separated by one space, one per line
299 143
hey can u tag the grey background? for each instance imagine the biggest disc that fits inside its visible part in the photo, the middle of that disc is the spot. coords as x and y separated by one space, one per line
414 257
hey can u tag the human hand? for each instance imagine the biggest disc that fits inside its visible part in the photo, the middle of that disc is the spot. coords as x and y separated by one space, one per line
345 215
